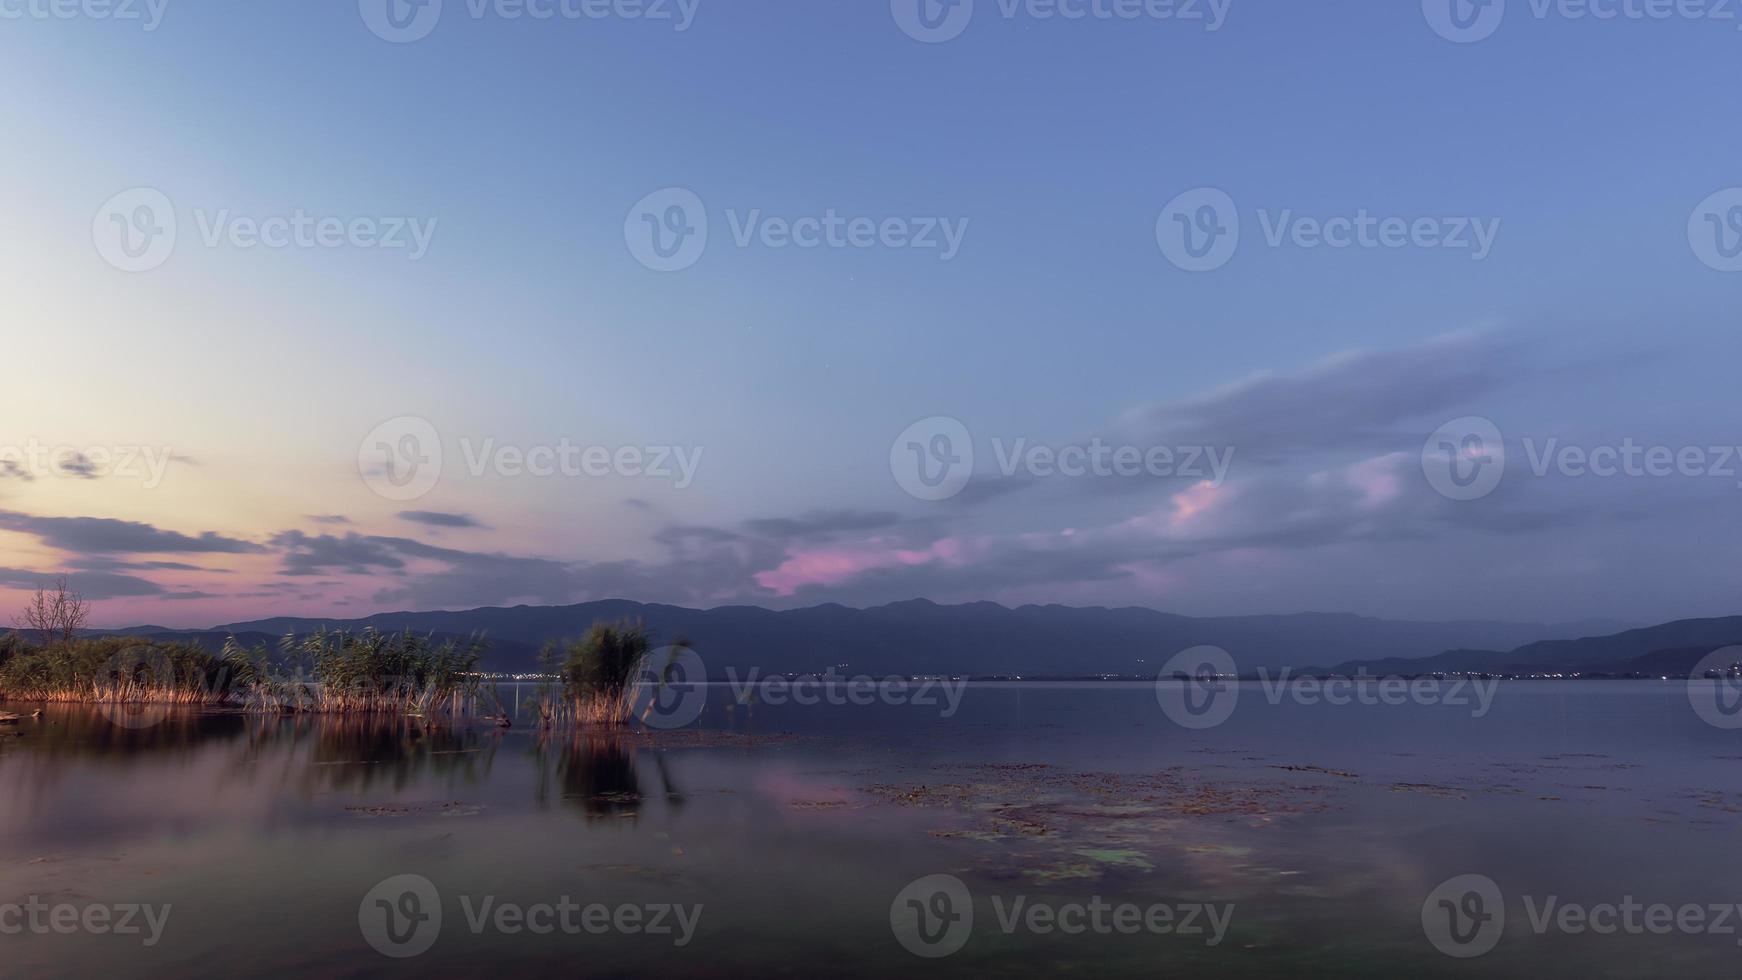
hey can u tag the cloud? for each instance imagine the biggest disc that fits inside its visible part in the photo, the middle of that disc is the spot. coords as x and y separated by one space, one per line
357 554
1358 400
431 518
100 563
329 518
821 524
101 535
77 464
11 469
92 585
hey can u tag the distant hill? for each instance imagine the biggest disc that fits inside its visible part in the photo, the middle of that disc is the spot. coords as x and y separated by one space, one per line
918 637
1665 649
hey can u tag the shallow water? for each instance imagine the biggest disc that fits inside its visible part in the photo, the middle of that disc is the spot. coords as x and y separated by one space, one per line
1317 830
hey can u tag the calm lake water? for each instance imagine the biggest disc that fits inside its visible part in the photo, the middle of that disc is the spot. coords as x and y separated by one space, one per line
786 840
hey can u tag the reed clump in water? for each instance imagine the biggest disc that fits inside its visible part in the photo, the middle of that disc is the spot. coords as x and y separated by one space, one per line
368 671
118 670
325 672
596 675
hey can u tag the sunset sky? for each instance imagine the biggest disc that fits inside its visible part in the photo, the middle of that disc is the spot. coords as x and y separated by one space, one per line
244 383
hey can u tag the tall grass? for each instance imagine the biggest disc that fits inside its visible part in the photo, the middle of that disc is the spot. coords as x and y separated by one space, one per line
119 670
368 671
324 672
596 674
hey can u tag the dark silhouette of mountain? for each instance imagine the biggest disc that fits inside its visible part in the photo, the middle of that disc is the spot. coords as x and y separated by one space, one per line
1665 649
922 637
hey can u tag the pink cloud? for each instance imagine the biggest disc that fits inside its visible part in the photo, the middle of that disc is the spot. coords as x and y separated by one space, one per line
834 565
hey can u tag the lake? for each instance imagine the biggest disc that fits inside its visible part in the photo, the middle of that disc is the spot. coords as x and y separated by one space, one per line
1584 828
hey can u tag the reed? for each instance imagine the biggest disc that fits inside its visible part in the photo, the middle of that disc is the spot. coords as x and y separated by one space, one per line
368 671
117 670
596 675
325 673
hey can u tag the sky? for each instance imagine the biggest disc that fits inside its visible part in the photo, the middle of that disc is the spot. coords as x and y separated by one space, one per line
1389 308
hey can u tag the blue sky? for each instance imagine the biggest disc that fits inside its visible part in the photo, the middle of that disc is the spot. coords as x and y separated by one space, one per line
1585 143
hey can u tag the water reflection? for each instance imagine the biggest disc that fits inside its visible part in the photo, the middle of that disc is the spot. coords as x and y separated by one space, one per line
597 774
308 756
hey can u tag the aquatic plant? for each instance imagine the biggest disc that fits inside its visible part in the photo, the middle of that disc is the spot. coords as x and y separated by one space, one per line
339 672
324 672
596 674
118 670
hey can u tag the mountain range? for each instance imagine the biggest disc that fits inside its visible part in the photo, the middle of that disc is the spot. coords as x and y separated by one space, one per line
987 639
